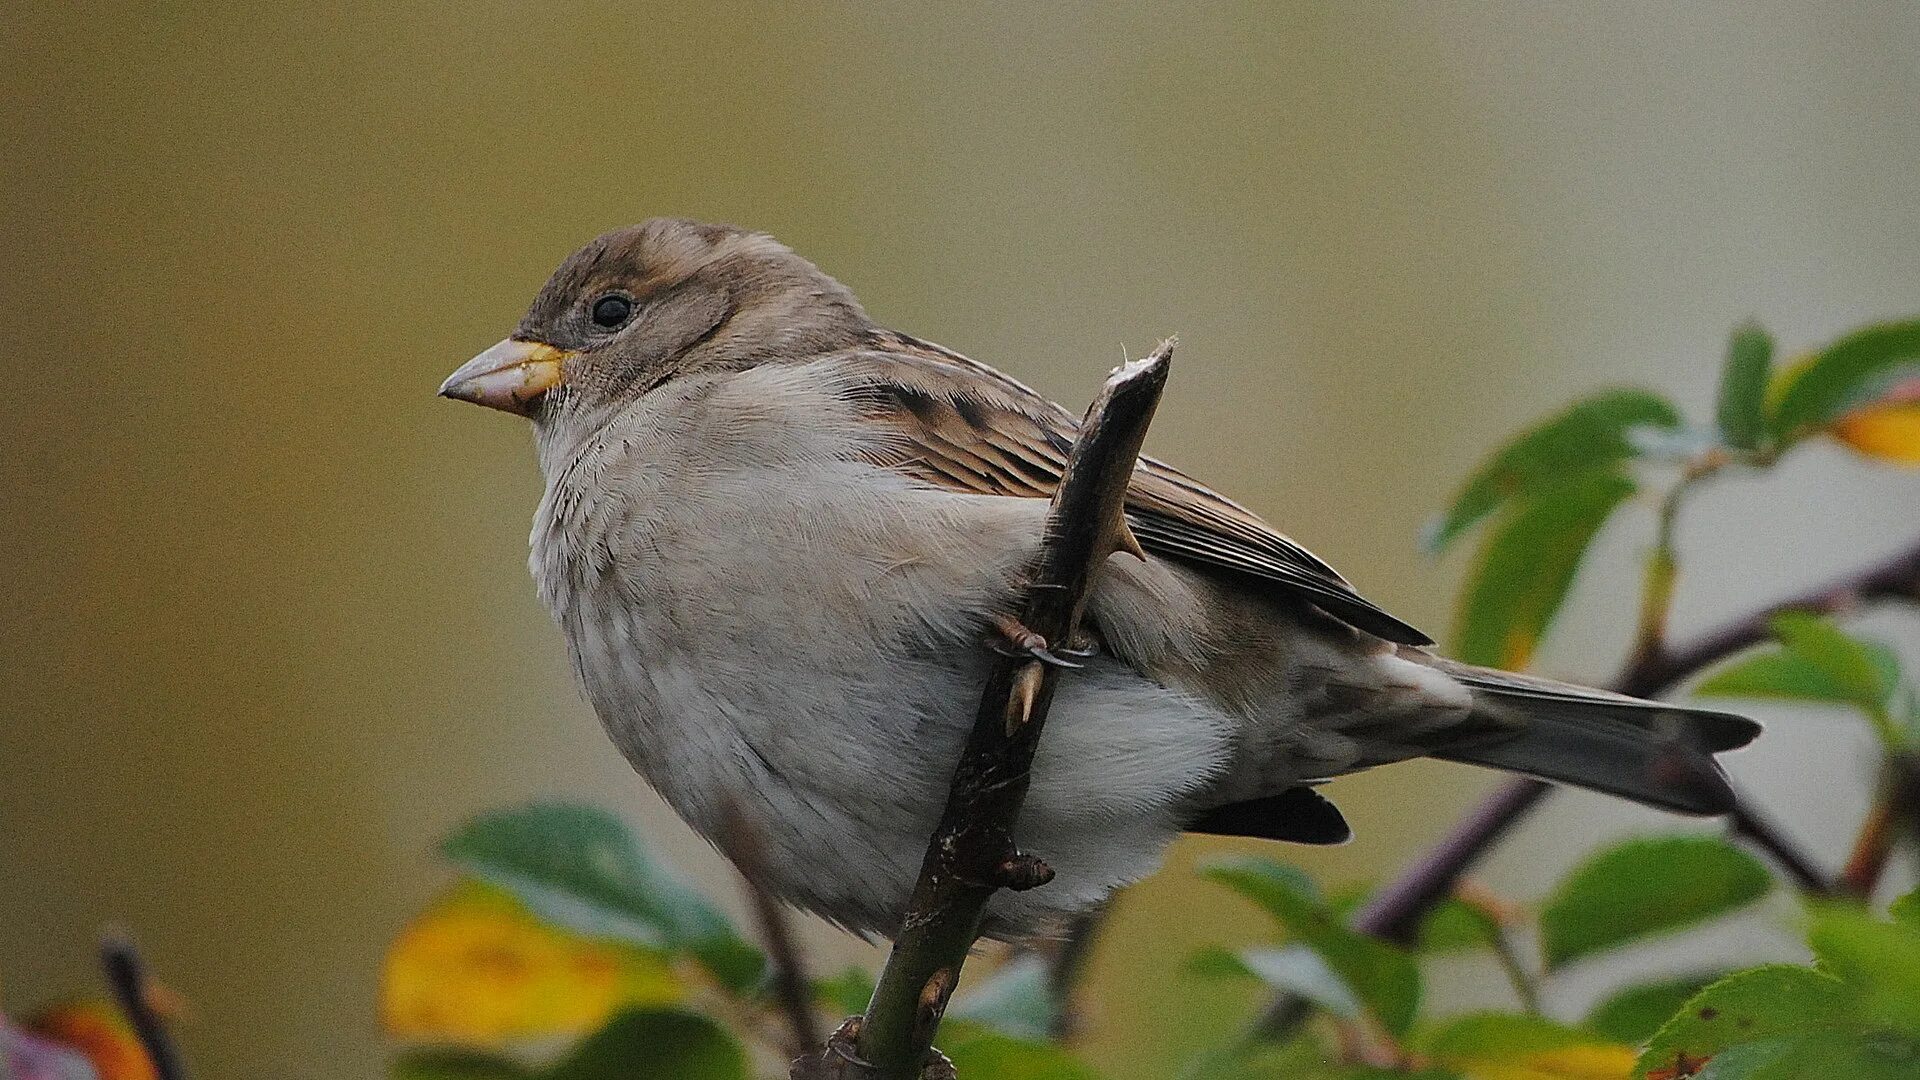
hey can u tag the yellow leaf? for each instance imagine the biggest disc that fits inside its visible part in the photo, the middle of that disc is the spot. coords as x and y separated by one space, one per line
1595 1061
1516 649
100 1034
478 967
1888 429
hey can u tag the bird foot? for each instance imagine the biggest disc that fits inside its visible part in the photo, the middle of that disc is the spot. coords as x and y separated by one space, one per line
1012 638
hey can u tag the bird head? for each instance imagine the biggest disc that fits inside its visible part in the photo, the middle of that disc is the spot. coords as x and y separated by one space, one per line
640 306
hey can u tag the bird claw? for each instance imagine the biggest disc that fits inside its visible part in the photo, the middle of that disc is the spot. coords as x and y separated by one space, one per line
1053 659
1012 638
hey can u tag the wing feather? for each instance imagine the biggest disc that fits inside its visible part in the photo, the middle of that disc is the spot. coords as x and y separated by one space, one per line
956 423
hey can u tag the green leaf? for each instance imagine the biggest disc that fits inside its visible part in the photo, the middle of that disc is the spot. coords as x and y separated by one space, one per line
1906 911
847 993
1293 969
1346 900
1013 1001
1634 1014
1879 961
1645 887
1592 435
1817 1055
1781 675
1504 1045
1457 926
447 1063
997 1057
646 1044
1742 411
1847 373
1525 566
1385 978
1819 662
1499 1036
580 867
1867 673
1746 1007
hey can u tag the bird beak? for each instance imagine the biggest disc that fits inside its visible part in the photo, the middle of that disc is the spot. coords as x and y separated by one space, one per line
510 376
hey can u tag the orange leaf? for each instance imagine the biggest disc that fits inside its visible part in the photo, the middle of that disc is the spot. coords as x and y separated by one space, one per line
100 1034
478 967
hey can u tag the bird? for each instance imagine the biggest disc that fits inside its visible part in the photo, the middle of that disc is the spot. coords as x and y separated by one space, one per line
782 542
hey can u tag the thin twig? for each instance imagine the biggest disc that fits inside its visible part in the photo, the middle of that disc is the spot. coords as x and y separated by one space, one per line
1748 823
127 977
1065 967
1861 874
972 853
1524 986
1895 811
1903 794
792 989
1395 911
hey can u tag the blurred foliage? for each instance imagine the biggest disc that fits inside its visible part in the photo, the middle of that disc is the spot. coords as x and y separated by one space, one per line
1818 662
1381 979
580 868
479 965
27 1056
81 1039
101 1035
75 1040
1645 887
1545 494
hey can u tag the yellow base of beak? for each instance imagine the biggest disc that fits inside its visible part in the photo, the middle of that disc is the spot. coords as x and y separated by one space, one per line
511 376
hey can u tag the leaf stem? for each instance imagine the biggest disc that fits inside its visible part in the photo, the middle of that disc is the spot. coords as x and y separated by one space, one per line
1524 985
1662 569
1871 849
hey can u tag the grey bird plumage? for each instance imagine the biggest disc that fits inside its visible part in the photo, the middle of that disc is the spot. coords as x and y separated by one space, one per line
777 538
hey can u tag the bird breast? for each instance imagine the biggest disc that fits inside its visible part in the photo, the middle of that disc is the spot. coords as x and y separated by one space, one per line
785 638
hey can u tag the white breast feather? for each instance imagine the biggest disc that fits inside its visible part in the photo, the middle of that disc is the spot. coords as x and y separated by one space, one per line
758 618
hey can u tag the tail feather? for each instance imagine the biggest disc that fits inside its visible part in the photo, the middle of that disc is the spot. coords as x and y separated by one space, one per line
1646 751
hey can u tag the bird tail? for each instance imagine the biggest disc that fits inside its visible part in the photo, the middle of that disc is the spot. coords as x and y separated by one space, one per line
1646 751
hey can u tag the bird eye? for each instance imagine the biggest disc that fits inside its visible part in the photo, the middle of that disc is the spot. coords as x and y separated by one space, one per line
611 310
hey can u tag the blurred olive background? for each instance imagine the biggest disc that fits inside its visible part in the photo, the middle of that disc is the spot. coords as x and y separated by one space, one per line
268 632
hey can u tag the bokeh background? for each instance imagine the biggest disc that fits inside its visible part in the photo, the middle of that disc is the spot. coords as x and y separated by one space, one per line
268 632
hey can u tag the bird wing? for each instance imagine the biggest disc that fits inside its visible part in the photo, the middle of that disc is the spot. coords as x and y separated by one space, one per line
955 423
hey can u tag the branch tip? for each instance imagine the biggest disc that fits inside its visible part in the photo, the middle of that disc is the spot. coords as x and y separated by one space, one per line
1021 872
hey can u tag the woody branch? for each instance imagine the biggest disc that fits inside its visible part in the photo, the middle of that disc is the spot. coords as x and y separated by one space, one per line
973 853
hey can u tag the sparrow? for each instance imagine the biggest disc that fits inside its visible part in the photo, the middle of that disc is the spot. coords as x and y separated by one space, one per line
780 539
